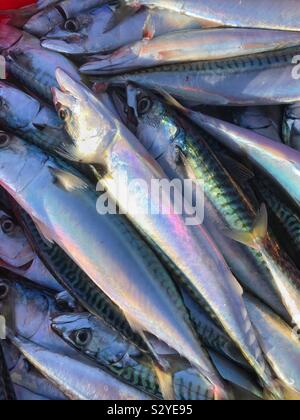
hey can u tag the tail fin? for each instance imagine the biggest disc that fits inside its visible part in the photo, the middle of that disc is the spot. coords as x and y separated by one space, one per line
255 238
165 380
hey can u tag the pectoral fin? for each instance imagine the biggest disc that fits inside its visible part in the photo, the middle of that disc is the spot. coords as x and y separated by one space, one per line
67 181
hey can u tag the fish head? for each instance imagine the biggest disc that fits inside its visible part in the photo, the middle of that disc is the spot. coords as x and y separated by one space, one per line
153 122
80 34
24 307
44 21
9 36
89 123
17 109
15 251
20 163
91 336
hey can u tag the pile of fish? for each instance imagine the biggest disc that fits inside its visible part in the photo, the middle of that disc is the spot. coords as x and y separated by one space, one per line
134 304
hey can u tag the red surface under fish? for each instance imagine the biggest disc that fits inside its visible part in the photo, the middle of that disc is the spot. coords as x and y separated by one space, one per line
14 4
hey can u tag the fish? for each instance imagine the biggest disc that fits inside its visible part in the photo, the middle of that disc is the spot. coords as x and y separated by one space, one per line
17 255
45 21
269 14
69 217
28 309
279 341
212 336
78 283
7 392
27 381
291 126
260 79
102 139
190 46
30 64
283 215
20 15
77 380
165 137
267 155
25 115
87 33
240 379
108 349
263 152
264 121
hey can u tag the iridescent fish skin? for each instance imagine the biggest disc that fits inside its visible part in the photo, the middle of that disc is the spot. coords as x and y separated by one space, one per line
269 14
92 338
80 286
78 381
264 121
46 20
261 79
191 46
280 343
163 135
116 259
30 64
25 115
100 138
27 381
268 155
282 212
90 36
28 309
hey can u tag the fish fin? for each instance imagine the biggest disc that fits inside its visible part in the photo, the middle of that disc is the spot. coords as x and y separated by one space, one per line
44 232
149 28
165 380
123 12
239 171
140 330
66 180
68 152
254 238
172 101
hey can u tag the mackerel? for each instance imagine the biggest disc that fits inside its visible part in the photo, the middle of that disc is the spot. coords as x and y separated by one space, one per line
269 14
78 381
261 79
190 46
30 64
116 259
99 138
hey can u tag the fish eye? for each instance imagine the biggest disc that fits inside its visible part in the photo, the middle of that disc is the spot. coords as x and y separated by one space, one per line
83 337
72 25
144 105
4 139
64 114
4 290
7 225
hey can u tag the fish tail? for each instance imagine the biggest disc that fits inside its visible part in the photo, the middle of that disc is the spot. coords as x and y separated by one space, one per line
253 239
165 380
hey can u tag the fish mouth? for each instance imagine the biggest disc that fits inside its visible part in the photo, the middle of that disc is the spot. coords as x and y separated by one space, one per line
70 45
